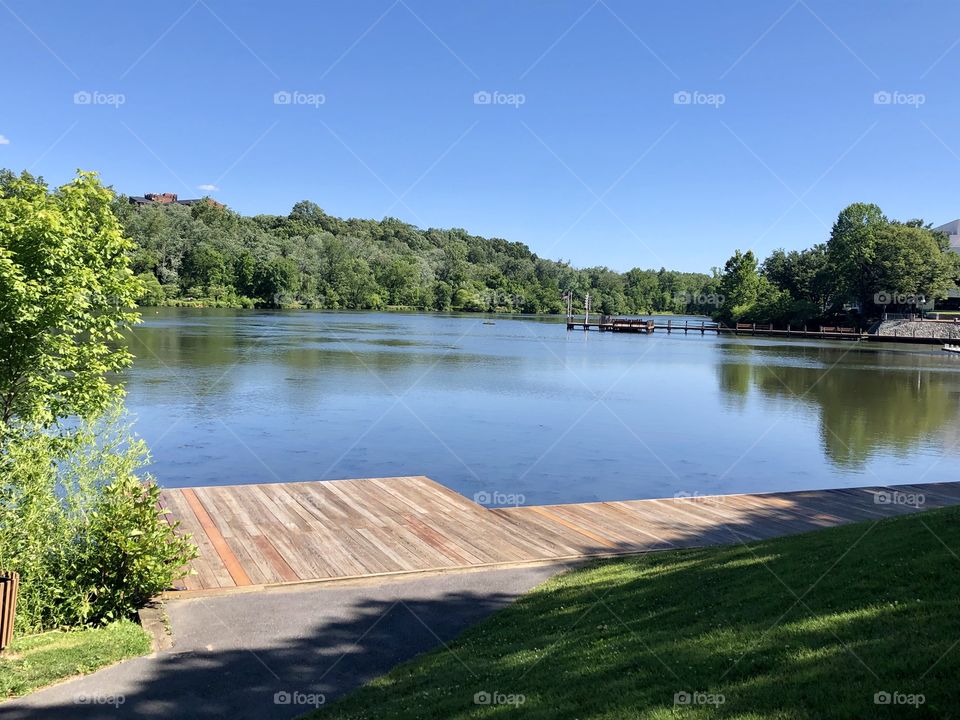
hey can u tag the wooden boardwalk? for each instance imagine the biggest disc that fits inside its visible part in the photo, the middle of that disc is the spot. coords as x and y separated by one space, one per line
614 323
269 534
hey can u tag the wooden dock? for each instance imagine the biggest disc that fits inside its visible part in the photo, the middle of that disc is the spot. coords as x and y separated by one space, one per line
251 536
614 323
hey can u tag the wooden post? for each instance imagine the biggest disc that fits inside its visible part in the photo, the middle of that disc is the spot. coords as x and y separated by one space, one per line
9 586
669 322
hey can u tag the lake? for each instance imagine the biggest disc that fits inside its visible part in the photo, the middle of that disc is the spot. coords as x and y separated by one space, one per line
522 411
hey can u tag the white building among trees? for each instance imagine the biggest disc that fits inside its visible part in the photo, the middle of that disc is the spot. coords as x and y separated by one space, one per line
952 229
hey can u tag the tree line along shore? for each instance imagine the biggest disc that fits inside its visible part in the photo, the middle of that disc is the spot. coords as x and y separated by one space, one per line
208 255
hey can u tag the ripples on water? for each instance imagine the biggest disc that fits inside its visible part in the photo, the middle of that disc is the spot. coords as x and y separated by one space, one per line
523 407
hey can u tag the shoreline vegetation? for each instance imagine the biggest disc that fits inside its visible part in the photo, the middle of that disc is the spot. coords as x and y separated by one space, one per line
206 255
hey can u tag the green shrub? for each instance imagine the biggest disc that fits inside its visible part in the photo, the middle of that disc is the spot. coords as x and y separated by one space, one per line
34 532
127 553
83 530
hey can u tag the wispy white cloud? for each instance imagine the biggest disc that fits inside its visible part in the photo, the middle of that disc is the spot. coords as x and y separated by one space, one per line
4 140
208 187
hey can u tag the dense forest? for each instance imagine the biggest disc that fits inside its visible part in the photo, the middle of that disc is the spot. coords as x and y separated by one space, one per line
207 254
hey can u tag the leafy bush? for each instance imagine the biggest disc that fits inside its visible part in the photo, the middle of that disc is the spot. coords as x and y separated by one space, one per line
34 532
83 530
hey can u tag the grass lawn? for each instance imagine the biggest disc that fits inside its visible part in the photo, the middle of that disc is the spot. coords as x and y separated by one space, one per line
36 660
811 626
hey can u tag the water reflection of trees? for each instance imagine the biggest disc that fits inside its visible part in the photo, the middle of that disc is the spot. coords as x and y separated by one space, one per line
868 405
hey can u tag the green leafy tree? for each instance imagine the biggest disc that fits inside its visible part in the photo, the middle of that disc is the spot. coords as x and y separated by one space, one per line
740 286
272 279
244 270
875 261
852 252
66 293
912 264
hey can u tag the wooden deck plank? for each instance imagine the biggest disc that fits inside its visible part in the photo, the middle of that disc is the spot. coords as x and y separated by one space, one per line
252 543
209 568
229 560
578 519
783 510
524 520
764 520
708 530
666 525
241 530
630 524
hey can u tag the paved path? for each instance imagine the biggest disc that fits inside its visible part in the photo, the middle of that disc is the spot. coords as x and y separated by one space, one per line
235 652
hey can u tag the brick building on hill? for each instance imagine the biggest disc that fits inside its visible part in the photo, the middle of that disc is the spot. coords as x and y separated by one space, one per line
169 199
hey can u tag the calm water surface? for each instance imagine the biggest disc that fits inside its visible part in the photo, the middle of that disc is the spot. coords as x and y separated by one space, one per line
524 411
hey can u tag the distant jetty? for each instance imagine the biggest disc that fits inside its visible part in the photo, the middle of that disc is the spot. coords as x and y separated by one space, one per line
913 330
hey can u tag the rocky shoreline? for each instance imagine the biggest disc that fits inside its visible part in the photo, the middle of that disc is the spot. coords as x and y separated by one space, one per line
932 329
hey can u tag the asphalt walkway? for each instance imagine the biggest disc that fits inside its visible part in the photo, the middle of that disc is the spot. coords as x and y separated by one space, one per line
276 654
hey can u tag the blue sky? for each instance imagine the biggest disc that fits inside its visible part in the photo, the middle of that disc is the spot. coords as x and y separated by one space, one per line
586 153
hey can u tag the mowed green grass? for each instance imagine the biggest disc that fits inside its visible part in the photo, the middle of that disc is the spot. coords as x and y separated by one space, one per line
811 626
33 661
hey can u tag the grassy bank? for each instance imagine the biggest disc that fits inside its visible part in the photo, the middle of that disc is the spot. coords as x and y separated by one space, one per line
817 625
37 660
